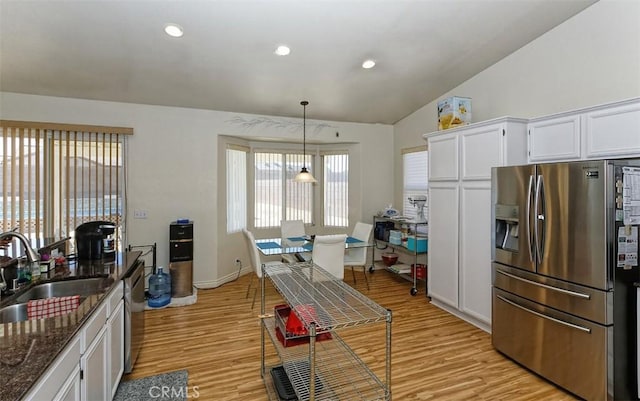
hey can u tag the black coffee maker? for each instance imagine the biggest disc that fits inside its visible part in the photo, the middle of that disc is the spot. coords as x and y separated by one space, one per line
93 240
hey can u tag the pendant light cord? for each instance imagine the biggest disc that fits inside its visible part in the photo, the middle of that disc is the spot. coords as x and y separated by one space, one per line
304 104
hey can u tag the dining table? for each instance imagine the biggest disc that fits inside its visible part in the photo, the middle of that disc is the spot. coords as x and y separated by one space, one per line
300 245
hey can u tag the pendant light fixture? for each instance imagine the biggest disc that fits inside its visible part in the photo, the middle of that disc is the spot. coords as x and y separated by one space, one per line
304 175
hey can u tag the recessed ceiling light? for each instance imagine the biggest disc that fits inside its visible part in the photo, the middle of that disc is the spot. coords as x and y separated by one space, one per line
174 30
282 50
368 64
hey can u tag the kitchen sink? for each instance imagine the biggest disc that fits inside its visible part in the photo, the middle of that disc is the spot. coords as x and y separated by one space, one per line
13 313
82 287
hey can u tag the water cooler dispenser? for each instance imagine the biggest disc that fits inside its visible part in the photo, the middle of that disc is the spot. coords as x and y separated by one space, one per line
181 258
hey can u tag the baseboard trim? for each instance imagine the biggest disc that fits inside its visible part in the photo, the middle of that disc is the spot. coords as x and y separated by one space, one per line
222 280
455 312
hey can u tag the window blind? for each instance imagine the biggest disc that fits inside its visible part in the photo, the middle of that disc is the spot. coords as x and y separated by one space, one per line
236 188
57 176
336 189
277 195
415 179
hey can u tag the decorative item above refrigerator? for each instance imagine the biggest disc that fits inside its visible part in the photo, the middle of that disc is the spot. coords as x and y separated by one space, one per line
565 251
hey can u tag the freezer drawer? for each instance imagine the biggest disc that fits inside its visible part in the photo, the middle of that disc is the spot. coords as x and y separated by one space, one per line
588 303
566 350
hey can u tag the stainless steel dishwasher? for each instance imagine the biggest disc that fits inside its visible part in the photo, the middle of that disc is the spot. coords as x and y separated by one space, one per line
134 315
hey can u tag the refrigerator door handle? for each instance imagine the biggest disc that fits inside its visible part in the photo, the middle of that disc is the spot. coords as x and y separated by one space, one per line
548 287
528 215
538 217
553 319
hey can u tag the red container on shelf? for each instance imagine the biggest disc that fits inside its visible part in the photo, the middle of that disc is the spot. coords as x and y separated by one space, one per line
290 330
421 271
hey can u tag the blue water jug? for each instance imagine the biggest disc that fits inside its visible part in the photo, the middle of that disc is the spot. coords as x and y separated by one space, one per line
159 289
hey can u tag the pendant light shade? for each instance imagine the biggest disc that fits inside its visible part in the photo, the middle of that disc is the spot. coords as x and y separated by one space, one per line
304 175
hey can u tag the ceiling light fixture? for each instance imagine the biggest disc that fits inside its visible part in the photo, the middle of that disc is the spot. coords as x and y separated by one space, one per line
174 30
282 50
304 175
368 64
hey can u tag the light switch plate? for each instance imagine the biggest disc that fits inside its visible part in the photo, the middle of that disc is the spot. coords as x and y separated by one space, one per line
139 214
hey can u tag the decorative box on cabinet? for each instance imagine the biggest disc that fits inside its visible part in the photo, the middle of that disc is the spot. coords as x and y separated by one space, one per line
460 212
333 305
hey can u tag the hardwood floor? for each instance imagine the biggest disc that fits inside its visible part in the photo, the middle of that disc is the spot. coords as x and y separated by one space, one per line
435 356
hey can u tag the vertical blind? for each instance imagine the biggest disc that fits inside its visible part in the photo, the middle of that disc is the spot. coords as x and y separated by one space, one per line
277 195
415 179
57 176
336 189
236 188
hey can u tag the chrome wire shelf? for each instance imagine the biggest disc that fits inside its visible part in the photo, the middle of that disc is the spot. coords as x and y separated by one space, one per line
340 373
330 303
324 369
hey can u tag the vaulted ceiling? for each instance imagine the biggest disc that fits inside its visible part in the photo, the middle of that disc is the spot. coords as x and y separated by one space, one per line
116 50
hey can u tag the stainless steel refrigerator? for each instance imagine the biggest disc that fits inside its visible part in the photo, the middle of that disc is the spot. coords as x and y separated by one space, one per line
565 260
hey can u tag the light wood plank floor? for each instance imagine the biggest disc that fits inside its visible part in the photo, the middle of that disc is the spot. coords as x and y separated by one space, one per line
435 356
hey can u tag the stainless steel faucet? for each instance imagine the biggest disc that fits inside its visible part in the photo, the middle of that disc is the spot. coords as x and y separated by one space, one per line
3 282
30 253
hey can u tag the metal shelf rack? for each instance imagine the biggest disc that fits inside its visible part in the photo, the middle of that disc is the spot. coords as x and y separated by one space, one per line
340 374
413 226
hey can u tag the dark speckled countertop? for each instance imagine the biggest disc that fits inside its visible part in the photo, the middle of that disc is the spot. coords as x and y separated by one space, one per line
28 348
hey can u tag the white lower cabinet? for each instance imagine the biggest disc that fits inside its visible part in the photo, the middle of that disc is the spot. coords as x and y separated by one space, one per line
115 339
443 264
475 251
93 364
49 387
70 390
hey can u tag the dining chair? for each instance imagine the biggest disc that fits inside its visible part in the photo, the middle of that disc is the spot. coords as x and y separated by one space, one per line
358 256
328 253
256 262
292 229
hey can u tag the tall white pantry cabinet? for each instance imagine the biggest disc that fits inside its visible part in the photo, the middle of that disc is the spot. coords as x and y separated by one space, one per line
459 258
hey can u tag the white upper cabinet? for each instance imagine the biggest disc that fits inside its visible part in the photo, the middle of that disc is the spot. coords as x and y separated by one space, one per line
554 138
613 131
469 152
502 142
443 158
601 132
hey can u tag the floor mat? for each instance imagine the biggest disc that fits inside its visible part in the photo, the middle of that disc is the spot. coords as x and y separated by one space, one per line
166 386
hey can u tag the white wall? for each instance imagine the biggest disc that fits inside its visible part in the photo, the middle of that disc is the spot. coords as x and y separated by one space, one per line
590 59
173 168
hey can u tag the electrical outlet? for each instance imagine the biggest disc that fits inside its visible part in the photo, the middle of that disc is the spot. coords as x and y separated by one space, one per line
139 214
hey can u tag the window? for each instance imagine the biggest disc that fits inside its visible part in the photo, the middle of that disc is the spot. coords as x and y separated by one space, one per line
236 188
336 189
57 176
277 196
415 179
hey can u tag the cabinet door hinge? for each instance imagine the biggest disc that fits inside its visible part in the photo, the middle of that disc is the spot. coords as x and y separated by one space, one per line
503 132
81 374
529 132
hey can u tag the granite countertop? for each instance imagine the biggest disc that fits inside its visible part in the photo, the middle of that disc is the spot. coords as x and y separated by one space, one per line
27 348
